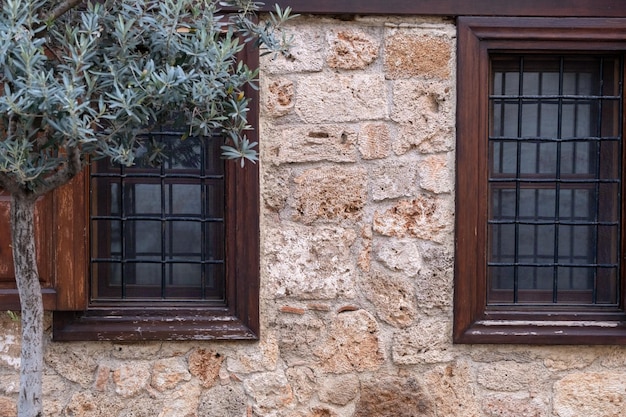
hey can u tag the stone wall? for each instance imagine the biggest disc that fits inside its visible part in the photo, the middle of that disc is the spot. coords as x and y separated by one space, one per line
357 265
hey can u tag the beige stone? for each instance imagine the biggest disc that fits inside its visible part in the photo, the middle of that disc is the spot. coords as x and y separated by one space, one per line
298 337
510 376
131 378
330 193
306 143
168 373
278 97
76 362
205 365
413 53
8 407
183 402
270 391
102 378
570 357
303 381
359 96
436 173
450 388
393 296
424 217
223 401
598 394
9 342
399 255
351 49
429 341
352 344
390 181
275 186
434 283
374 141
309 263
339 390
259 357
425 112
394 396
307 49
514 406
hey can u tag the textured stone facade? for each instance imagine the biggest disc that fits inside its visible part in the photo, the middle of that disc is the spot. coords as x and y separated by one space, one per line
357 265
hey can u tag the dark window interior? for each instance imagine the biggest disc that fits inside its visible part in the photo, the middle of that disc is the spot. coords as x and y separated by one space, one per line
158 226
554 179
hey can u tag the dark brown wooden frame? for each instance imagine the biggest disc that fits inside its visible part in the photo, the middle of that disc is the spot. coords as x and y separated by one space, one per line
563 8
474 322
238 319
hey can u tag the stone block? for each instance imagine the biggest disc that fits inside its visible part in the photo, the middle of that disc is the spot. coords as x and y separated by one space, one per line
598 394
390 180
425 113
8 407
332 98
339 390
277 97
436 173
131 378
399 255
393 296
510 376
425 217
415 53
450 387
205 365
259 357
352 344
9 342
374 141
182 402
330 193
429 341
310 143
303 381
434 283
310 263
307 52
298 337
351 49
223 401
269 391
394 396
514 406
168 373
75 362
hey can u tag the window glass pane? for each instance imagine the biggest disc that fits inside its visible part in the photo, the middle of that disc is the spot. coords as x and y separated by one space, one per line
169 244
554 180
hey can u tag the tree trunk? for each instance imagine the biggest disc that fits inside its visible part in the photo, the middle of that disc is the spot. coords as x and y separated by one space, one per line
30 401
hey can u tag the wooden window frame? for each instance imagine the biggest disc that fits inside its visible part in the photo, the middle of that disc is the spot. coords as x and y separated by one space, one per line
474 322
563 8
235 319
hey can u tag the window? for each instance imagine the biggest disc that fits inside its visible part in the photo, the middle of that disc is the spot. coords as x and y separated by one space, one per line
171 250
539 181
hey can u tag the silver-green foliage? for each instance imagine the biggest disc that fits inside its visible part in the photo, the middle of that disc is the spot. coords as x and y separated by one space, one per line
88 82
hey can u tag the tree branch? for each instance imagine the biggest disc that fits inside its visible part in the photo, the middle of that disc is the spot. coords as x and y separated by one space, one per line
70 169
63 7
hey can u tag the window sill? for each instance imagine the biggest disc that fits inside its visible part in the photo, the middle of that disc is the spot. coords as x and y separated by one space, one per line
544 332
151 324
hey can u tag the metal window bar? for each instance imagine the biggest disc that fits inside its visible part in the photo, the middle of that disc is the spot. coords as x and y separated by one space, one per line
562 265
124 267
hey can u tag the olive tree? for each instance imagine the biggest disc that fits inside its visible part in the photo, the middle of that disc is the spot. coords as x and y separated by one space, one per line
81 81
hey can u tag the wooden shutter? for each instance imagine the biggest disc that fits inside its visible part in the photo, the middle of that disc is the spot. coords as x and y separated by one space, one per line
62 248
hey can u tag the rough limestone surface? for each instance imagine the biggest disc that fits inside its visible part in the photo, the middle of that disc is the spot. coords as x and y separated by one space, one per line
394 396
357 168
352 49
601 394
